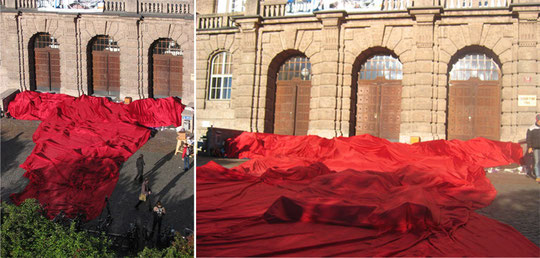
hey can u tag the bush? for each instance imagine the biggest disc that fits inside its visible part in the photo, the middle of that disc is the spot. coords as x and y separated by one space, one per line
180 247
26 233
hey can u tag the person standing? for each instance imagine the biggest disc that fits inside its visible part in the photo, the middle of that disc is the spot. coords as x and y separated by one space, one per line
140 168
145 194
159 212
185 155
533 145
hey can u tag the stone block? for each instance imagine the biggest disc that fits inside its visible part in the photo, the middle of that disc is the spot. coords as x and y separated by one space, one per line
425 54
424 66
421 92
329 79
326 114
327 102
423 79
327 91
527 66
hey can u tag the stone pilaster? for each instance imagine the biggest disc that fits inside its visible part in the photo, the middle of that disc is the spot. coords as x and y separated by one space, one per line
325 95
528 81
244 102
422 91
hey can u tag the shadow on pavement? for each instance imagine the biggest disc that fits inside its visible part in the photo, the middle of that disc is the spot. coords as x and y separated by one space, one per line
518 209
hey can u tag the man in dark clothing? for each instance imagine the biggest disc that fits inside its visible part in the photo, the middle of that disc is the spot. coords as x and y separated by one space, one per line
159 212
533 145
140 168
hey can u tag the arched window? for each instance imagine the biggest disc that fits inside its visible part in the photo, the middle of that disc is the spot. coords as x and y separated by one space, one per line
105 60
387 66
475 66
221 76
46 63
167 65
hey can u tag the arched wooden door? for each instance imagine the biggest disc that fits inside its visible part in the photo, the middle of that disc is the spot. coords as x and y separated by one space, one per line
105 67
293 94
474 99
167 58
379 97
47 63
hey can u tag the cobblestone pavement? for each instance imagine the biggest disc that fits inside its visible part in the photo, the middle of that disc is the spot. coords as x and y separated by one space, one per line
168 181
517 202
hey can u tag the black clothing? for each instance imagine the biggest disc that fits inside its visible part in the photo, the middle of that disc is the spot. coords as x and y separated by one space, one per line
533 137
158 217
140 169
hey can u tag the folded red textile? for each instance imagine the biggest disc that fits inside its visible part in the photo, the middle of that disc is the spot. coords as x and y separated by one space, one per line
81 144
354 196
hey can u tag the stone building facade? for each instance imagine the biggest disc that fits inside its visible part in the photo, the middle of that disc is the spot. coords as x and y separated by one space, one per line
131 28
464 68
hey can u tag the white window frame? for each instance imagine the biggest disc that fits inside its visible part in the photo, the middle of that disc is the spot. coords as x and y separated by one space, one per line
224 88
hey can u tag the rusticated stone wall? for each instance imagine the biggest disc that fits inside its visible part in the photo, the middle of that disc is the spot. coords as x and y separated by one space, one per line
134 34
427 41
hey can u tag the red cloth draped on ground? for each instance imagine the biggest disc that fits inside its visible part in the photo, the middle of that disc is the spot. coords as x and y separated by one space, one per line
81 144
355 196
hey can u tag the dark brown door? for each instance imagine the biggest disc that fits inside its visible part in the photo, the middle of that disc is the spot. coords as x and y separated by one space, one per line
379 108
474 109
292 107
167 79
106 72
47 61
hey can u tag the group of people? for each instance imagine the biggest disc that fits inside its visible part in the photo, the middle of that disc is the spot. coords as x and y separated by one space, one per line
158 210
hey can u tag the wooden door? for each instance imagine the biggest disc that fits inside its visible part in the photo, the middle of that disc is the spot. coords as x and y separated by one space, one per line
292 107
47 68
474 109
379 108
106 72
167 79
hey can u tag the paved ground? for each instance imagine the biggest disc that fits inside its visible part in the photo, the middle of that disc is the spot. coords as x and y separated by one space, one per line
168 182
517 202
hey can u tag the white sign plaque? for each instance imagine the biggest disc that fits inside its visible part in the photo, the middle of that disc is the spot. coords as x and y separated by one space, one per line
527 100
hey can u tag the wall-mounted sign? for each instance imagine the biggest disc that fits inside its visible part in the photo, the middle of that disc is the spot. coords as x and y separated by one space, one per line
71 6
186 117
527 100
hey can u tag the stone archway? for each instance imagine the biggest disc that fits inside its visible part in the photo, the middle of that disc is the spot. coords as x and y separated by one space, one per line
474 96
289 94
376 108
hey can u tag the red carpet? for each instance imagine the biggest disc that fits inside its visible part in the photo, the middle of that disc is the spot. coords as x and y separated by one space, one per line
357 196
81 144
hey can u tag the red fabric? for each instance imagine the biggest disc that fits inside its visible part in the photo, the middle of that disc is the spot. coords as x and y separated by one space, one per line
81 144
356 196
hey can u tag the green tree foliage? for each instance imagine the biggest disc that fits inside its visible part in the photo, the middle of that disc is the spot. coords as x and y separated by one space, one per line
180 247
26 233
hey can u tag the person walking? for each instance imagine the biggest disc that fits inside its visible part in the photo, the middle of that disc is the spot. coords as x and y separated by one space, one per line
185 155
533 145
140 168
159 212
145 194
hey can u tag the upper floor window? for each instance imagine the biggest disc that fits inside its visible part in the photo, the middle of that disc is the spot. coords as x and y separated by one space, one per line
221 76
231 6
